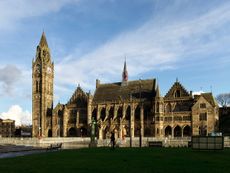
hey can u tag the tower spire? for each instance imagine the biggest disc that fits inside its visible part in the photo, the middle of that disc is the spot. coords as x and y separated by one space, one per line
125 73
43 42
158 91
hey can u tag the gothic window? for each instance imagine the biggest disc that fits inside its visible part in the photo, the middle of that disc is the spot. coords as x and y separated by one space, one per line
177 93
177 118
186 118
203 117
168 108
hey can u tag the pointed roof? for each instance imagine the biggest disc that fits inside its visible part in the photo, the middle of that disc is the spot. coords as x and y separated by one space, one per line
177 86
158 91
125 73
43 42
207 96
78 94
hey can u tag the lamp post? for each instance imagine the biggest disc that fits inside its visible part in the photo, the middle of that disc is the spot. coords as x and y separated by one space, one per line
141 106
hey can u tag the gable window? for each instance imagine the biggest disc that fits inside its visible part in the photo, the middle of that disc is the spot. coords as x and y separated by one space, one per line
177 93
202 105
203 117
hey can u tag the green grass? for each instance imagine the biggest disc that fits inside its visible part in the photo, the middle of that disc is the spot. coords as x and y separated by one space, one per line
121 160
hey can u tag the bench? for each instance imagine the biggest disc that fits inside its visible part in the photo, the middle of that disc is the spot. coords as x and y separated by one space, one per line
54 146
155 144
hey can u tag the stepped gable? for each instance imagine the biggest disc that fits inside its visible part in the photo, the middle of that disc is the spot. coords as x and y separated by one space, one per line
177 86
78 97
116 92
208 96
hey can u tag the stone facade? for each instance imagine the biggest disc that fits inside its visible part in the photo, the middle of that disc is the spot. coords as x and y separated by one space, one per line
7 128
128 108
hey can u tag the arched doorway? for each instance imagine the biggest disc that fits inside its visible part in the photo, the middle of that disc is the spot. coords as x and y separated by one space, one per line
187 131
72 132
168 131
49 133
177 131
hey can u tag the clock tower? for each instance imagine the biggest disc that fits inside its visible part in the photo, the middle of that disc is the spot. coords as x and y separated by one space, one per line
42 89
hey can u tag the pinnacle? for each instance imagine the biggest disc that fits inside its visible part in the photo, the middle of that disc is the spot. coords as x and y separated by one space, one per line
43 42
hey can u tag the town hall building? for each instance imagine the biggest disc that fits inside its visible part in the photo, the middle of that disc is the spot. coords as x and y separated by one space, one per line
127 108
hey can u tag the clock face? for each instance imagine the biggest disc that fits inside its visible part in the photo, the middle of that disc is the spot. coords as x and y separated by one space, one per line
49 70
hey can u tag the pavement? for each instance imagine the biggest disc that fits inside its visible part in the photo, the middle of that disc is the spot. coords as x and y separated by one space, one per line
9 151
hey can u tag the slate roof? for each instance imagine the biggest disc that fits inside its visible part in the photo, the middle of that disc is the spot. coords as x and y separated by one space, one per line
116 92
209 97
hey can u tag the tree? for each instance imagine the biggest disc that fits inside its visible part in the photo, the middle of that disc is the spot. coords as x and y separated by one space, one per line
223 99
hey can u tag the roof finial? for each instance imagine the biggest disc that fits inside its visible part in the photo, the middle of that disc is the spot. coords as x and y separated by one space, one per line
176 79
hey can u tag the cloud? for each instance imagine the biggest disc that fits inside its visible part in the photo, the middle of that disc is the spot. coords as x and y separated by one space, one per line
20 116
197 92
9 75
149 48
12 11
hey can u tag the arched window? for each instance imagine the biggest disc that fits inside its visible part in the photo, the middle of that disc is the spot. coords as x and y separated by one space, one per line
177 93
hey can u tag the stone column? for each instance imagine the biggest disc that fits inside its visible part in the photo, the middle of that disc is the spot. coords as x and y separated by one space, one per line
77 119
100 133
65 122
115 112
123 111
98 112
142 121
132 119
120 129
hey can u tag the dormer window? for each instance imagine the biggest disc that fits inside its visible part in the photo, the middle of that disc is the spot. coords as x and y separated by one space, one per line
177 93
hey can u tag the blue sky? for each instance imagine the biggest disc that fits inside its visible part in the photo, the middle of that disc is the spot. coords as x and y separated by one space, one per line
169 39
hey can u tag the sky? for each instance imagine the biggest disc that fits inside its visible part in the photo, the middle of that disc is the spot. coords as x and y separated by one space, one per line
89 40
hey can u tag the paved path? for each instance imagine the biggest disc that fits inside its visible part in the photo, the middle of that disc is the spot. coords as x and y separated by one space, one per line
8 151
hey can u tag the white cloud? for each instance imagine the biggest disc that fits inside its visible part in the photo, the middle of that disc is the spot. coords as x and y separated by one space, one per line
14 10
9 75
150 47
21 117
197 92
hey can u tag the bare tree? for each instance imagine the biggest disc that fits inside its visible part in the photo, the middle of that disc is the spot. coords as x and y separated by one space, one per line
223 99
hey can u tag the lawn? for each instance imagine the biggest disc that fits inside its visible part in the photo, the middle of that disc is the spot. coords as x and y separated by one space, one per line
121 160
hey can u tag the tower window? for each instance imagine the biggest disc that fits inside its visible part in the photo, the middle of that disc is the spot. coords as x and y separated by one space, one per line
37 86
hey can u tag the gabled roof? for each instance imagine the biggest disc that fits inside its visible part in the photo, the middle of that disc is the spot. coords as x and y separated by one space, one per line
79 94
208 96
177 86
116 92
